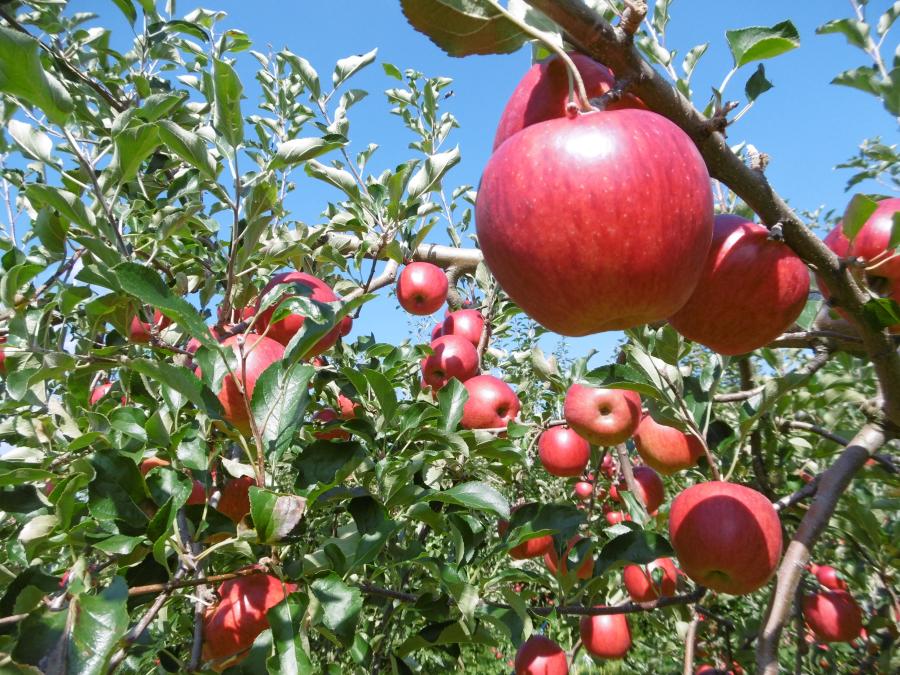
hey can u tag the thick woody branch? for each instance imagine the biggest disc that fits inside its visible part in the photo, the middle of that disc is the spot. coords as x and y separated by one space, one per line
612 46
466 259
831 486
386 278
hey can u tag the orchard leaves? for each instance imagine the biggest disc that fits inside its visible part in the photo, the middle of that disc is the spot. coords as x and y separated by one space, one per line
23 75
464 27
758 43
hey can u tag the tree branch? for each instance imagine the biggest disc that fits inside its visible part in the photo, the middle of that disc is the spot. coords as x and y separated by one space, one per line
831 486
466 259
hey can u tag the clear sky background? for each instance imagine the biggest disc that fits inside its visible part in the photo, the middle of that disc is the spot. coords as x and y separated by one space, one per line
805 124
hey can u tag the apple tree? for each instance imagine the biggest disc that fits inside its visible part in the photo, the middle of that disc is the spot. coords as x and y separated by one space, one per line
205 468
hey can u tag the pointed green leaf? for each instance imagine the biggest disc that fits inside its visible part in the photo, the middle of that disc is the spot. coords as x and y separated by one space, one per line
474 495
188 146
762 42
462 27
22 75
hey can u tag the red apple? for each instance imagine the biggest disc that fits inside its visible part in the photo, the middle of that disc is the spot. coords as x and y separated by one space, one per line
198 494
151 463
283 330
872 242
139 332
640 580
466 323
327 415
584 490
833 616
727 536
666 449
543 94
551 560
651 490
539 655
563 452
258 354
2 355
530 548
604 417
452 356
437 331
422 288
606 636
234 501
751 290
98 392
830 578
616 517
598 222
240 616
492 404
608 466
345 325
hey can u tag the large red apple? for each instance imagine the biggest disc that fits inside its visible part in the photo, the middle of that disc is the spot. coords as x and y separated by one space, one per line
284 329
530 548
466 323
833 616
551 560
651 490
873 242
751 290
543 94
539 655
830 578
640 580
422 288
492 403
563 452
666 449
139 331
234 501
604 417
452 356
253 354
606 636
598 222
727 536
231 626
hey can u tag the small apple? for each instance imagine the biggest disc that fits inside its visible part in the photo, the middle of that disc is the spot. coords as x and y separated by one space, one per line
651 490
584 490
608 466
452 356
198 494
539 655
563 452
327 415
604 417
830 578
606 636
422 288
139 331
727 537
551 560
492 403
640 580
666 449
530 548
345 325
833 616
98 392
616 517
234 501
466 323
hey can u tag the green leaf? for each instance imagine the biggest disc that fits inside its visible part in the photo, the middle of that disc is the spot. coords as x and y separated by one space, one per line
856 32
299 150
133 146
22 75
858 211
339 607
351 65
181 380
275 515
474 495
342 180
327 462
127 8
882 312
100 622
286 619
462 27
188 146
392 71
306 72
227 92
864 78
691 59
887 19
383 390
34 142
452 398
757 84
279 400
756 43
68 205
52 233
636 547
661 15
429 175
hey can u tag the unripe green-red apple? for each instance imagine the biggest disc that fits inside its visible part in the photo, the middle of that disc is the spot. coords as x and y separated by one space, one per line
492 403
604 417
543 94
651 491
551 560
422 288
563 452
539 655
666 449
727 537
452 356
530 548
253 354
640 580
606 636
234 501
830 578
231 626
598 222
466 323
584 490
284 329
751 290
139 331
833 616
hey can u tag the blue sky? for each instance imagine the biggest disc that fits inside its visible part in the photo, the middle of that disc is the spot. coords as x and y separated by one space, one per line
804 124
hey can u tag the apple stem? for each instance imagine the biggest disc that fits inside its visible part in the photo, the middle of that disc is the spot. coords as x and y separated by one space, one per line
584 103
